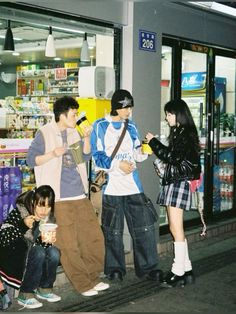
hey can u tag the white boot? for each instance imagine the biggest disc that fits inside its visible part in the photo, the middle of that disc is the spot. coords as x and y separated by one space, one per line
178 264
187 262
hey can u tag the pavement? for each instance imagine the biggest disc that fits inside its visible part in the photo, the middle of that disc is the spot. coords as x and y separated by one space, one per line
214 264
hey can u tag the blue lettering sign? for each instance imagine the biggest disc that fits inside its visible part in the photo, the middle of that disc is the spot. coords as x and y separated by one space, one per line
193 81
147 40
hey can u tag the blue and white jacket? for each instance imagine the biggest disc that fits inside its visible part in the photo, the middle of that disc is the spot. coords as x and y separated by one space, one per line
104 138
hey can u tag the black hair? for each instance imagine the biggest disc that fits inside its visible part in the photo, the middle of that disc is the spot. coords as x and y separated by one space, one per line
181 111
184 119
63 105
38 196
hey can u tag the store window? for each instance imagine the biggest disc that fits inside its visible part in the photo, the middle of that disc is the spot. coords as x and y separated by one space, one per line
224 131
205 77
166 74
31 79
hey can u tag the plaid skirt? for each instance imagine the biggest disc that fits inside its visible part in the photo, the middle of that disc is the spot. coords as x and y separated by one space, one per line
176 194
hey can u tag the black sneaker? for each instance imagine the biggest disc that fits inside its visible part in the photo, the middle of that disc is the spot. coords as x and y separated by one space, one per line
115 275
155 275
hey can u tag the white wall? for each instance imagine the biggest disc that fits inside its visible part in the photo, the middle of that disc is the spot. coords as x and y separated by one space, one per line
104 10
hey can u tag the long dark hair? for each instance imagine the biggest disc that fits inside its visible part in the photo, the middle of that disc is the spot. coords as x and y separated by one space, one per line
184 119
38 196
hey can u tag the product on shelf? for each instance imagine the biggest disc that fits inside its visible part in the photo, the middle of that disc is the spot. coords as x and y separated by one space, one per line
10 188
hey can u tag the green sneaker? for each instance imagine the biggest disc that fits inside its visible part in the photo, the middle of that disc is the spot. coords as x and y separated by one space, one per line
48 296
28 301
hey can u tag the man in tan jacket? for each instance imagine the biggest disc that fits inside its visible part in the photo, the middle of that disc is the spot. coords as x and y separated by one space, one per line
58 155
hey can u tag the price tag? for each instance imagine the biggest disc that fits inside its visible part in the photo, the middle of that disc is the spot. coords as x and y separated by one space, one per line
60 74
147 40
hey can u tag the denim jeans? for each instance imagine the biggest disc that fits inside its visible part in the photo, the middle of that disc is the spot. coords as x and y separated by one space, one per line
140 217
41 268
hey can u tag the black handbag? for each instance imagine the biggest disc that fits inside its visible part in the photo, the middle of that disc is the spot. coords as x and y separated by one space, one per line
101 177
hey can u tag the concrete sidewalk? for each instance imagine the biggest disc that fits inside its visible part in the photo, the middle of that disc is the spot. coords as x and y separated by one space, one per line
214 263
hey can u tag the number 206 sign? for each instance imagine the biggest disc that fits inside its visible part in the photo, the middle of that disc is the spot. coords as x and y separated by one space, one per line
147 40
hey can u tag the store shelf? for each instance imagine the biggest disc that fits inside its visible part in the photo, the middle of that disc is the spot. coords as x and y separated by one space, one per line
40 83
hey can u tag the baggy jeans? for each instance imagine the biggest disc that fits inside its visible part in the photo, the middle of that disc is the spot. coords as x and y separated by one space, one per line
81 242
140 216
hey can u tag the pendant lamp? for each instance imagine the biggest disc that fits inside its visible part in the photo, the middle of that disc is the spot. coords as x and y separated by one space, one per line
9 42
50 50
84 55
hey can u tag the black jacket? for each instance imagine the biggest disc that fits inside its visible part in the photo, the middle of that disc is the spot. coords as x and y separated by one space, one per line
16 240
182 158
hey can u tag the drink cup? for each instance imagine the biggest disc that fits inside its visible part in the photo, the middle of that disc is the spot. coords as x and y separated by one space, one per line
146 148
81 123
48 232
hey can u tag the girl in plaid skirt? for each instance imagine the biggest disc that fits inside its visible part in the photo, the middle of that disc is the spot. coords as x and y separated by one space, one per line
182 165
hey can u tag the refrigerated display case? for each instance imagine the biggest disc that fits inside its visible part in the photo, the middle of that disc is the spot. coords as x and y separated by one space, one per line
222 136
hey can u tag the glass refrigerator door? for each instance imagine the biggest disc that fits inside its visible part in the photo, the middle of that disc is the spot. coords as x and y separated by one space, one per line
224 134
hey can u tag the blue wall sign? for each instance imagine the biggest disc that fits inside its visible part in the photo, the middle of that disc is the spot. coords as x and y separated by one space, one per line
192 81
147 40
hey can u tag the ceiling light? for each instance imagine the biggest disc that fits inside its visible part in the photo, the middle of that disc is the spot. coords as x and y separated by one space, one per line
9 42
214 6
84 55
15 53
14 38
50 50
57 59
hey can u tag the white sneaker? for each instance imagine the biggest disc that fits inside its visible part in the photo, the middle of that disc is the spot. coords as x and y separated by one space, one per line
50 297
101 286
89 293
31 303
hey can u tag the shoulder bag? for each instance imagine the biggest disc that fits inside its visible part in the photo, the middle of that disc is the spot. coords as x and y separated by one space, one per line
100 178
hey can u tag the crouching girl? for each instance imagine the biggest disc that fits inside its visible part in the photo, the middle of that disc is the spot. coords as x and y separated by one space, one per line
29 260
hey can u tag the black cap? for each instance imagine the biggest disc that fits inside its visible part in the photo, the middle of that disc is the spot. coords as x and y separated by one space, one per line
121 99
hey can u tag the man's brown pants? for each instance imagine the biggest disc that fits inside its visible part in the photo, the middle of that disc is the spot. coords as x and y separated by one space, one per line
80 240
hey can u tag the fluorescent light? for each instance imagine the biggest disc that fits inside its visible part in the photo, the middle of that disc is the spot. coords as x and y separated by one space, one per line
217 7
68 30
14 38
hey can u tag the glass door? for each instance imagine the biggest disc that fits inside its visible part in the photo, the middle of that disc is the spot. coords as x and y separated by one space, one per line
224 134
193 92
205 77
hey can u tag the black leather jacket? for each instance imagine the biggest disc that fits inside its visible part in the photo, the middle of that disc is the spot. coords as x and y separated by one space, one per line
182 159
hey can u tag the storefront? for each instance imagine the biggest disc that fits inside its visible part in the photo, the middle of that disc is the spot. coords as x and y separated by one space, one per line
208 86
33 75
187 40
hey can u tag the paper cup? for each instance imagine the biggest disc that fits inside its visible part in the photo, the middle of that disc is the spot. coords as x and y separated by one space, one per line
48 232
146 148
81 123
47 227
